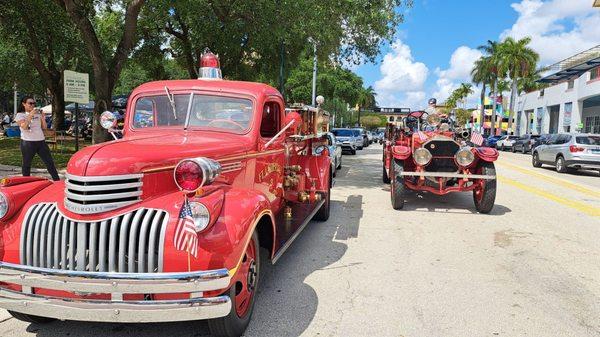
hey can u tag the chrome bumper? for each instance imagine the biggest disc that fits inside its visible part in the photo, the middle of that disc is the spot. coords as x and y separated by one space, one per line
115 284
448 175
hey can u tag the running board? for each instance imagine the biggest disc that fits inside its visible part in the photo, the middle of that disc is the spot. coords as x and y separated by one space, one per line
288 243
448 175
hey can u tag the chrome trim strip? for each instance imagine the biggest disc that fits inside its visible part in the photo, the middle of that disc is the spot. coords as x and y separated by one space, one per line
88 188
119 311
102 178
448 175
288 243
101 197
127 283
95 208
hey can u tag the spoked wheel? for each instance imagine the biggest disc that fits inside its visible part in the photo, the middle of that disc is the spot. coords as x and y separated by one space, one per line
397 188
242 294
484 195
535 160
560 165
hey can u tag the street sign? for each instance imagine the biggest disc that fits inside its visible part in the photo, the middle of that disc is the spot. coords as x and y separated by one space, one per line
77 87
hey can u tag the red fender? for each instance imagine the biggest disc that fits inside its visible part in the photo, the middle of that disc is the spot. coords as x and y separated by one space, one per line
315 167
401 152
20 189
488 154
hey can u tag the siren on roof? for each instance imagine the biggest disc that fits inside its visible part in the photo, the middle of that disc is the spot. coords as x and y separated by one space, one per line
210 67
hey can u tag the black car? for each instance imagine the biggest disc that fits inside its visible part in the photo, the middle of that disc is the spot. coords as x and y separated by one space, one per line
525 143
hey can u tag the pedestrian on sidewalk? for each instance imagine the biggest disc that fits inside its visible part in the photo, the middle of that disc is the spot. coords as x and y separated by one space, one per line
33 141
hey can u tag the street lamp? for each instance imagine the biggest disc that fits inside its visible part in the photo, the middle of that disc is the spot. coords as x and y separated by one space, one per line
314 80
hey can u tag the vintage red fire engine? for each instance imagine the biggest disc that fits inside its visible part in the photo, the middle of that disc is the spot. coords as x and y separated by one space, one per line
168 223
426 153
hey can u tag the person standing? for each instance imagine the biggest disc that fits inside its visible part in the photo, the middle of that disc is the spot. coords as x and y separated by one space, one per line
5 121
32 124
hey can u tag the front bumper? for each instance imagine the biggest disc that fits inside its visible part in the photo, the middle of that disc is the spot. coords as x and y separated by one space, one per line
348 146
448 175
116 284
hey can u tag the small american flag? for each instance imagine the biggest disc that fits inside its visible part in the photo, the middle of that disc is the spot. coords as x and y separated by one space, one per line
422 136
476 138
186 237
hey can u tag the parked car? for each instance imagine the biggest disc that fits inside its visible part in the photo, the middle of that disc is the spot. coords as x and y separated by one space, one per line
171 222
525 143
542 139
568 152
349 139
381 137
506 142
363 132
370 137
335 152
491 141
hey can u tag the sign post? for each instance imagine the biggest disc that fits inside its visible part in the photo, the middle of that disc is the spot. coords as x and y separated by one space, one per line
77 90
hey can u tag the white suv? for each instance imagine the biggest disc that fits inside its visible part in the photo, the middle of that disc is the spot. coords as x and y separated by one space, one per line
569 151
506 142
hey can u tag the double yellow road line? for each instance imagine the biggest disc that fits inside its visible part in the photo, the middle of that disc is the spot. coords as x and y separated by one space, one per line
580 206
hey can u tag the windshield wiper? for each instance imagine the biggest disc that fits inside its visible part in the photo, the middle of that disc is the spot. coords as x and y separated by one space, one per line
172 101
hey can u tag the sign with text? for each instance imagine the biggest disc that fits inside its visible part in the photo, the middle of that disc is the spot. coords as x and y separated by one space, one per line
77 88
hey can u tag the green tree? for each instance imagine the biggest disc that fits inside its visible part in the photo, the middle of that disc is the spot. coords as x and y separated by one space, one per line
47 40
109 35
482 74
372 122
491 50
517 60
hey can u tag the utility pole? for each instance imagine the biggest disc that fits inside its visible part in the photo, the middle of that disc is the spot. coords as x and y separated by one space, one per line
15 98
314 80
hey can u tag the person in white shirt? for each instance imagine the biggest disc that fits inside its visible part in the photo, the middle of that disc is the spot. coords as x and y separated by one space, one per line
5 121
32 124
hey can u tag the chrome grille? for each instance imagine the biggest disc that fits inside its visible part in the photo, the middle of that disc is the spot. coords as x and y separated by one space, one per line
96 194
130 243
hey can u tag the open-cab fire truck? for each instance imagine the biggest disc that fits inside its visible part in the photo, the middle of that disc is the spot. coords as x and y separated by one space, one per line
427 153
169 222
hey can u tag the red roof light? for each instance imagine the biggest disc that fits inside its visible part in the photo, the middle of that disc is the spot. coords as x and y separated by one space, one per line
210 67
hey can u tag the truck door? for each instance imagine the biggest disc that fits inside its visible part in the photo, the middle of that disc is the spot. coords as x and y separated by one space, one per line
271 160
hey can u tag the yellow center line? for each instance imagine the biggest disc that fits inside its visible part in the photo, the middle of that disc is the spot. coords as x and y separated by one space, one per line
585 208
557 181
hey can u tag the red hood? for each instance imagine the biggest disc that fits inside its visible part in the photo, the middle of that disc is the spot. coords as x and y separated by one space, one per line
133 155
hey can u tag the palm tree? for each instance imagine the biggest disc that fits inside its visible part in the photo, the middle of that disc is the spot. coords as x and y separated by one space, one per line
491 49
464 91
517 60
366 99
482 75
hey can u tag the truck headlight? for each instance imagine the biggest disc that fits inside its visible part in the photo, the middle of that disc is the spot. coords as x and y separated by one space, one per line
200 214
3 205
464 157
422 156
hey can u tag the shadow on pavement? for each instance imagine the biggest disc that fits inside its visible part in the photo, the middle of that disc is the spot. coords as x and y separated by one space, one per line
285 305
581 173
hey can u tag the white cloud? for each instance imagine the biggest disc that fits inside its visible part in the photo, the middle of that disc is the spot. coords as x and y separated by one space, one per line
402 79
558 28
461 64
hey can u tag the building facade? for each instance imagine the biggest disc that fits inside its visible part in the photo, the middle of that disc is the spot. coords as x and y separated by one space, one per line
570 104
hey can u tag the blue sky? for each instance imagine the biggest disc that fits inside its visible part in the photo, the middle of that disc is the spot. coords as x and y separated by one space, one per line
435 47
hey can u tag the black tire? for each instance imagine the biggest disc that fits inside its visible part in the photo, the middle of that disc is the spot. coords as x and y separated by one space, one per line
397 187
30 318
232 325
560 166
353 152
340 164
524 150
513 149
323 212
535 160
484 200
333 170
360 148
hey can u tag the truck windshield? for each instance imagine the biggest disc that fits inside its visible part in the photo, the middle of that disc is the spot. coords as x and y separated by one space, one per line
205 112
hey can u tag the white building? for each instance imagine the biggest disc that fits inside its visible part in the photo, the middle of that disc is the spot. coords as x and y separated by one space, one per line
570 104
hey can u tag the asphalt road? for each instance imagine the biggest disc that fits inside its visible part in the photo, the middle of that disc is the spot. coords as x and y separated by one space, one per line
437 268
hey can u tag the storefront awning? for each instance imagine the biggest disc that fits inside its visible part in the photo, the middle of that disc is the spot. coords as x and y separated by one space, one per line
574 66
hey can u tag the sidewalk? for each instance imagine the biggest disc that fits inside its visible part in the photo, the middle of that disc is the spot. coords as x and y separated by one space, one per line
8 170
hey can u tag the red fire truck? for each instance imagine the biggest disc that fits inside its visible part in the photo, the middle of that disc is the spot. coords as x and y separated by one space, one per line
169 222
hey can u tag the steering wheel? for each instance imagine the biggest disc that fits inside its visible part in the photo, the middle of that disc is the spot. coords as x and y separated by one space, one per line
228 121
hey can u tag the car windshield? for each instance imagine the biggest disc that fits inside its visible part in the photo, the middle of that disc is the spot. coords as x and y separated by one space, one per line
343 132
206 112
588 140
